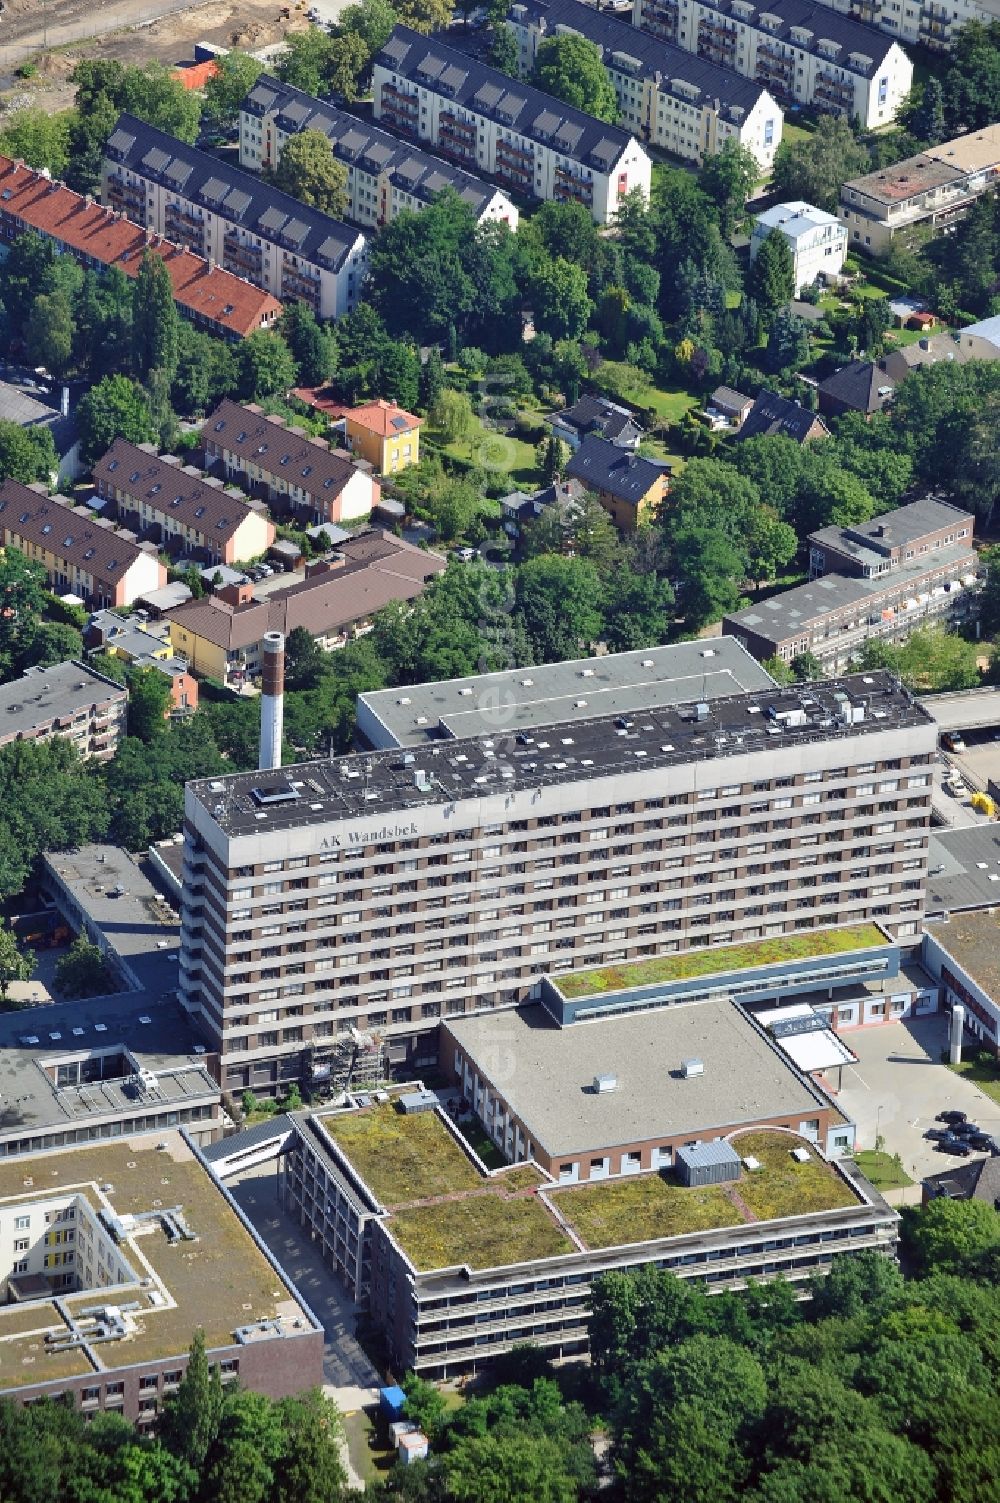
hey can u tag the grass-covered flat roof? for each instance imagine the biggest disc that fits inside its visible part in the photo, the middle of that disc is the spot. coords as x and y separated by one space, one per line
641 1208
402 1158
486 1231
718 959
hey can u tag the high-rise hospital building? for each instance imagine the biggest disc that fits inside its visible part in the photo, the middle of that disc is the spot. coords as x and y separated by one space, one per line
386 890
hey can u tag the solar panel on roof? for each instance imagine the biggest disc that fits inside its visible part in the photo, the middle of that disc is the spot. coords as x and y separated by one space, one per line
237 202
398 422
121 140
156 159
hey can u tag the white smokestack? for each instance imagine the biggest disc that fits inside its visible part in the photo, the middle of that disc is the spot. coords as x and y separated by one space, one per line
272 702
955 1037
64 402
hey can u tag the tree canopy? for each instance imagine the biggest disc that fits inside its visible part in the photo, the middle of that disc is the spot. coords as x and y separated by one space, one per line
570 67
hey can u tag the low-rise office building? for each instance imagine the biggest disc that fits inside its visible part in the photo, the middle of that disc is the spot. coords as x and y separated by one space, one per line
457 1265
298 475
686 104
80 553
530 141
522 699
921 196
115 1254
220 636
884 578
429 883
182 510
227 305
232 218
817 240
802 51
962 953
70 700
384 175
629 487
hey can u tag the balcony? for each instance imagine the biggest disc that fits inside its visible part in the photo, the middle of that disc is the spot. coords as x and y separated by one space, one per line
569 186
457 138
243 259
717 41
184 228
515 166
660 18
299 283
399 109
833 93
127 199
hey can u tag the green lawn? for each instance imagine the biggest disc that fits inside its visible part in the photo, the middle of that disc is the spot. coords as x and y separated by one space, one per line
669 405
480 1142
642 1208
985 1076
783 1187
484 1231
694 963
402 1158
793 131
881 1171
493 452
369 1458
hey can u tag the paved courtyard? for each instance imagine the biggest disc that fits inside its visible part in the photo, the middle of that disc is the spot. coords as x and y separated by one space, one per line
900 1084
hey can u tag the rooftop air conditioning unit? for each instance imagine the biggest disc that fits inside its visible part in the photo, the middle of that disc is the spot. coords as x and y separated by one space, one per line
605 1083
692 1067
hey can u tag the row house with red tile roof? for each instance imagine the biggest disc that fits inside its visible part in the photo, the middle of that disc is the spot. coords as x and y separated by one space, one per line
210 297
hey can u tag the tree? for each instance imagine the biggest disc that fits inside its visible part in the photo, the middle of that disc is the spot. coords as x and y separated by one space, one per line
206 370
265 366
787 347
148 702
313 346
311 1468
51 642
26 454
420 270
501 1468
570 67
425 15
729 178
15 964
236 73
154 320
115 408
708 568
638 610
425 1405
41 139
191 1416
815 168
431 380
770 543
309 171
83 971
305 60
22 600
52 801
558 290
349 59
771 280
371 20
551 455
451 416
504 52
49 332
558 602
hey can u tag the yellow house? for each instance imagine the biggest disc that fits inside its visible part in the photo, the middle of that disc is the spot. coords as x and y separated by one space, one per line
383 434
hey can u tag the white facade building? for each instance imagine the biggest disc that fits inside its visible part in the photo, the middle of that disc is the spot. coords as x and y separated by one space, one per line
683 103
804 53
490 123
384 176
816 239
233 219
929 23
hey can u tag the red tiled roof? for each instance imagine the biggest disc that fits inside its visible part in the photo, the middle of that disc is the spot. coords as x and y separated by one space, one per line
384 418
28 515
197 75
313 397
32 201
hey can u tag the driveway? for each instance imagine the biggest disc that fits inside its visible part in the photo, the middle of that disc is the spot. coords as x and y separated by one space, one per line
900 1084
346 1368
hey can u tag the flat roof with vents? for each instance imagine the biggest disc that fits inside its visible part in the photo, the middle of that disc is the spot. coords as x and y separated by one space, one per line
615 683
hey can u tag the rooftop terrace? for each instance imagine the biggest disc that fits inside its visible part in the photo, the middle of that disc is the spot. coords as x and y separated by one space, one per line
371 785
809 944
220 1281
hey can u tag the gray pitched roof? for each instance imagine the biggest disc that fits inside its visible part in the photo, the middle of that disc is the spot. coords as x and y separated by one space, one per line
593 414
771 414
227 190
862 386
357 142
734 95
602 465
519 107
824 23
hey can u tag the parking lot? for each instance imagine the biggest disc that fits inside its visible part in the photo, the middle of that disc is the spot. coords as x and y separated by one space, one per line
900 1084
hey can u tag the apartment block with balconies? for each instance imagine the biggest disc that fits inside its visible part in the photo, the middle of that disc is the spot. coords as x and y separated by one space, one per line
802 53
487 122
233 219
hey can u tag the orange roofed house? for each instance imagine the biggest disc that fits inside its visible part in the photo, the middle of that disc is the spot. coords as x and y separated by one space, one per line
384 435
211 297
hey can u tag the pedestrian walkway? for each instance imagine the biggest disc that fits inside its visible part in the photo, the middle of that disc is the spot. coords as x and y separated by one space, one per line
346 1367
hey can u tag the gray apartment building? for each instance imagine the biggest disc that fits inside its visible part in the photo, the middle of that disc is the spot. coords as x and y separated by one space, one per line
70 700
885 578
387 890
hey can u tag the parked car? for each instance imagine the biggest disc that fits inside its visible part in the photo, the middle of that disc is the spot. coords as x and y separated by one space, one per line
952 741
466 554
936 1134
965 1129
951 1116
980 1141
956 1146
